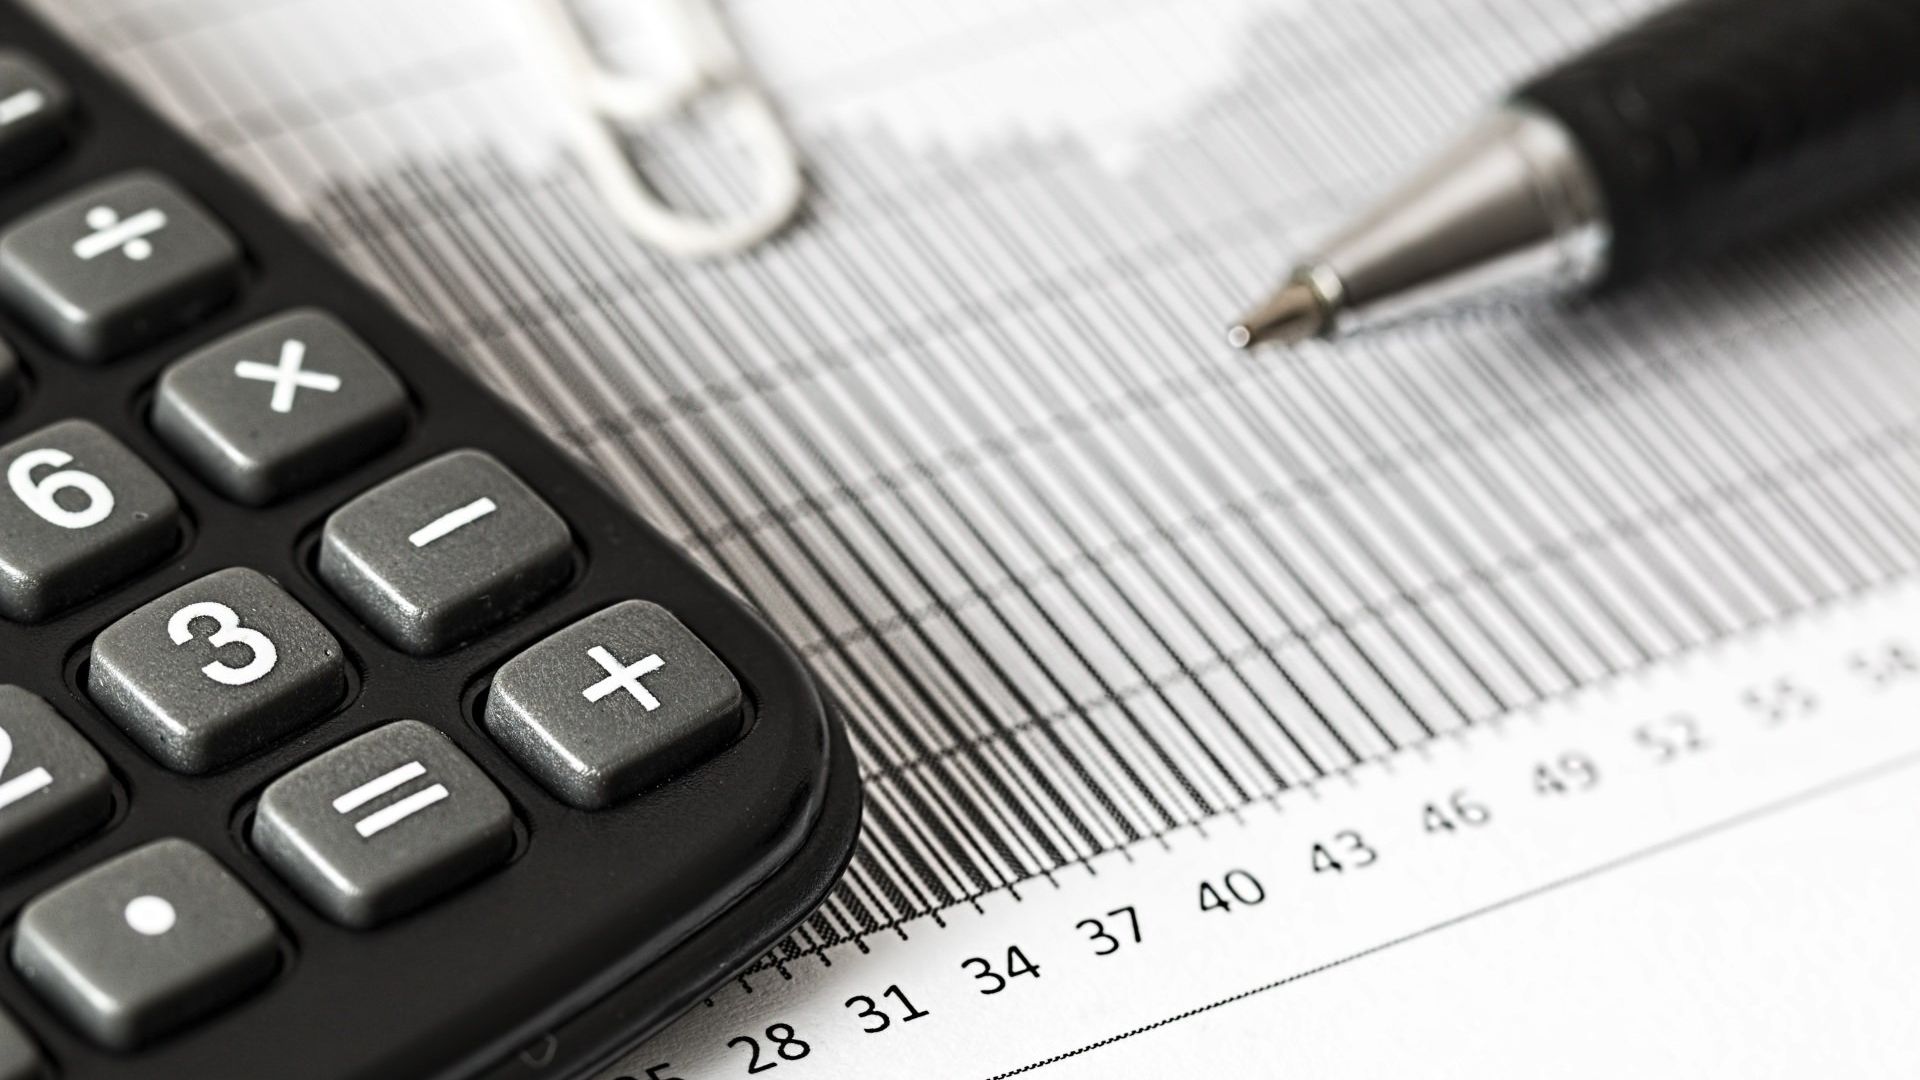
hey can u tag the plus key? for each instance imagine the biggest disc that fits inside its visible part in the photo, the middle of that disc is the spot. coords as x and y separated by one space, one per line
631 735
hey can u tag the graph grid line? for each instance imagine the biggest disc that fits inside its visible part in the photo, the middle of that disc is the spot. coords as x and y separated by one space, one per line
1078 576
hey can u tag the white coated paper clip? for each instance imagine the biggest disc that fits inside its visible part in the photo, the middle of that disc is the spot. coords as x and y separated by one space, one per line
604 100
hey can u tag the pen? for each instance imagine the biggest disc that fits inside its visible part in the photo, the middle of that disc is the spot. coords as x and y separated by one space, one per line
1705 125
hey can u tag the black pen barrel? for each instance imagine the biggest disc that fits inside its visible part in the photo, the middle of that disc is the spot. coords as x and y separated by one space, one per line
1714 121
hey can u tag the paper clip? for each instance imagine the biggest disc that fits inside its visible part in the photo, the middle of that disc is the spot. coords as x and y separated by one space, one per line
603 100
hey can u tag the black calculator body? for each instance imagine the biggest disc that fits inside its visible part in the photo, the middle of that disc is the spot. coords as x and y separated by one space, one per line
390 745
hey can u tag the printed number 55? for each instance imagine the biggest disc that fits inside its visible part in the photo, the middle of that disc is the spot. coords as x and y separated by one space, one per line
227 631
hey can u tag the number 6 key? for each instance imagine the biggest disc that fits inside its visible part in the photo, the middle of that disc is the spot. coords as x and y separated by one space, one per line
80 514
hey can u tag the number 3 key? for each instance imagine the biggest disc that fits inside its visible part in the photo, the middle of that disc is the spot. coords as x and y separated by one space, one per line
216 669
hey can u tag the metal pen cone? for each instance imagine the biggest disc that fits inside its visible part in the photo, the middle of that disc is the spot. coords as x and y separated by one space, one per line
1291 315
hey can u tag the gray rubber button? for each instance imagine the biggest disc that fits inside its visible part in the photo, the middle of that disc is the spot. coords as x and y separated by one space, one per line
382 824
215 670
19 1058
53 783
279 407
145 943
117 265
36 112
613 704
444 552
79 513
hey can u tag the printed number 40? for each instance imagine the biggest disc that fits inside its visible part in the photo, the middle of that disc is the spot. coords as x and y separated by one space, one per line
1236 885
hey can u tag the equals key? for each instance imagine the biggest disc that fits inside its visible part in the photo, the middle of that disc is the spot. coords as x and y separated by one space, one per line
383 823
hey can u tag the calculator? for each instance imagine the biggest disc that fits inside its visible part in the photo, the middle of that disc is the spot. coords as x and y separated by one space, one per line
348 727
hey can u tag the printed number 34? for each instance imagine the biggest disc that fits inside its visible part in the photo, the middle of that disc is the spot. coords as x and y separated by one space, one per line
227 631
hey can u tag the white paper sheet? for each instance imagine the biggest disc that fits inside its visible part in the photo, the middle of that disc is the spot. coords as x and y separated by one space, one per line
1099 595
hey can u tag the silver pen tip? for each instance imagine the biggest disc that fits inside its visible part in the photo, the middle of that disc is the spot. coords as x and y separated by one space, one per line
1291 315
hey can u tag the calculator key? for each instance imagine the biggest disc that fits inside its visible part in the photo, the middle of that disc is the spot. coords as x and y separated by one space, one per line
79 514
215 670
35 113
117 265
613 704
53 784
381 824
19 1058
145 943
279 407
445 551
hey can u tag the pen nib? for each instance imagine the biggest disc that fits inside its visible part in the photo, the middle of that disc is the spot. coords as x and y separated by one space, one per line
1292 315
